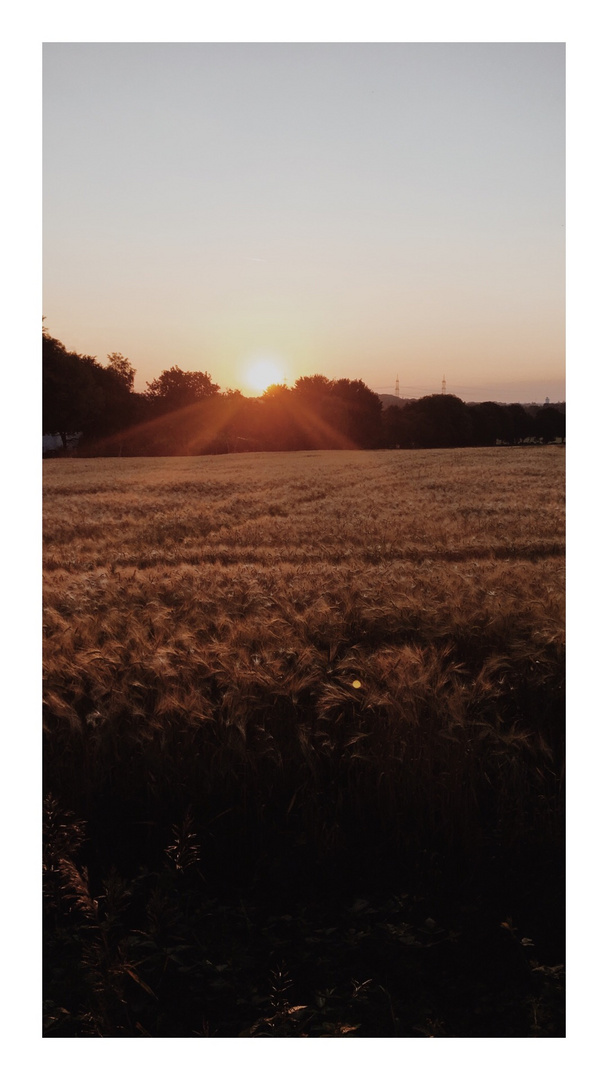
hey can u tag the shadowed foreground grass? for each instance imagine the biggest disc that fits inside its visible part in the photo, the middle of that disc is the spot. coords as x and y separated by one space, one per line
304 745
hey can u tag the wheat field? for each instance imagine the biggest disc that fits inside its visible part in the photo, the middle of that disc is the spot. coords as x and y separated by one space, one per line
353 607
318 656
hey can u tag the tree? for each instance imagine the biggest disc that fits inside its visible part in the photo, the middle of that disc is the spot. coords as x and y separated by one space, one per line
122 369
175 388
71 395
519 425
361 411
184 412
438 420
313 386
336 412
488 423
80 396
281 419
550 424
394 427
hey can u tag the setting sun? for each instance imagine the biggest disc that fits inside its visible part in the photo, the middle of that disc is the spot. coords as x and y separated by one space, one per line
264 373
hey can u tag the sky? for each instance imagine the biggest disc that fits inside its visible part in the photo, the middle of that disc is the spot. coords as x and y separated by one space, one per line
360 210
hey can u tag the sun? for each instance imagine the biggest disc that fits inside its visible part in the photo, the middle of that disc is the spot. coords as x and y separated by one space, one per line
264 373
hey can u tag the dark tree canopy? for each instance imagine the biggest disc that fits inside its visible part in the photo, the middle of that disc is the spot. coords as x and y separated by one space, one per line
120 366
82 397
174 389
488 423
334 413
519 425
550 424
183 412
71 395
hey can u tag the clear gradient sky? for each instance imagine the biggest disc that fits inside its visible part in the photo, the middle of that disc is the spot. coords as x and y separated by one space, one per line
359 210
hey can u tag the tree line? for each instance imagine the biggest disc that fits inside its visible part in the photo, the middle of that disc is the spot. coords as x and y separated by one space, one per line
184 412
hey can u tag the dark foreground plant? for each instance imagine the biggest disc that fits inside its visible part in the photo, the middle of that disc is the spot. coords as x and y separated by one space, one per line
162 956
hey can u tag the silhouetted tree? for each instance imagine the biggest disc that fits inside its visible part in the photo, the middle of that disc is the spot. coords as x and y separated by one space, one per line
361 412
336 413
488 423
394 427
438 420
314 387
122 368
118 408
175 388
549 424
71 394
519 425
280 423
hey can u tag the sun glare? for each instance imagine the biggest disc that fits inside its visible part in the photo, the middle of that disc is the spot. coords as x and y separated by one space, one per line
264 373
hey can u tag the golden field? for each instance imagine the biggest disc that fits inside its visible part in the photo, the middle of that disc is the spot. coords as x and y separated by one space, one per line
217 614
295 704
